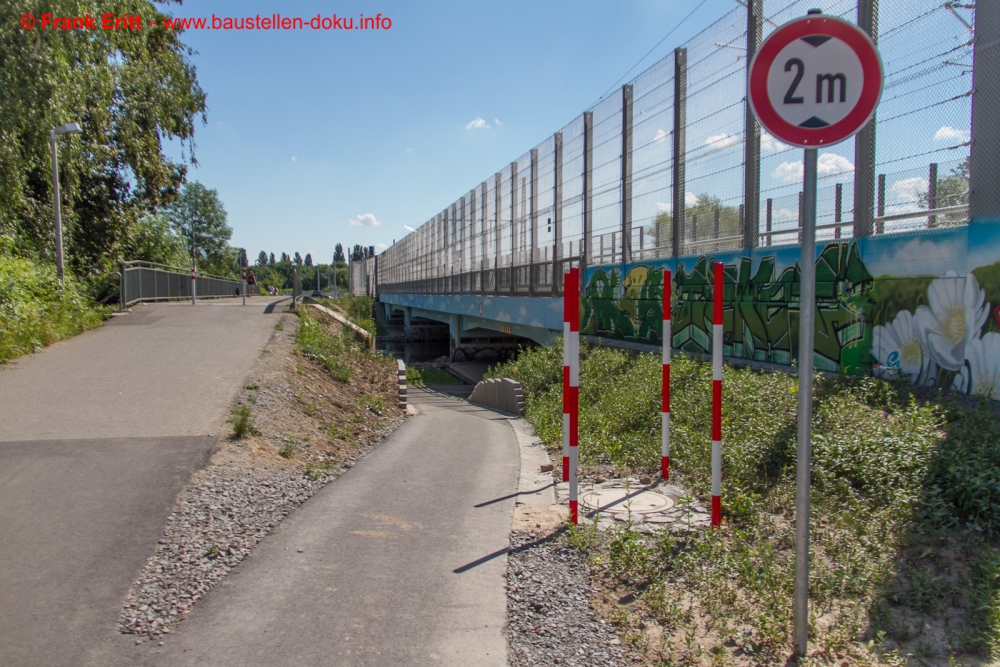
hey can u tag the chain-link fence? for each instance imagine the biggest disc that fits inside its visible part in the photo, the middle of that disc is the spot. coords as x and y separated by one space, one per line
673 164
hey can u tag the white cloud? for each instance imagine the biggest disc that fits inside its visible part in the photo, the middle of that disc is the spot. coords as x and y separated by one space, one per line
497 121
294 159
660 136
718 142
908 193
477 124
831 164
828 164
380 246
768 143
789 172
365 220
784 215
949 133
690 200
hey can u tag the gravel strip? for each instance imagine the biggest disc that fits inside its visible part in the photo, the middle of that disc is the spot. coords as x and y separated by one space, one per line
550 620
219 517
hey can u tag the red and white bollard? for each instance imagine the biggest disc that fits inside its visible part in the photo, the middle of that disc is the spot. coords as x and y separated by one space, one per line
571 385
665 408
717 294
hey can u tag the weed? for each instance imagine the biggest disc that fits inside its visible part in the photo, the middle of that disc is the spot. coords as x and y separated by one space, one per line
299 369
374 403
251 387
212 551
286 452
242 421
310 408
315 470
278 327
337 432
421 377
314 341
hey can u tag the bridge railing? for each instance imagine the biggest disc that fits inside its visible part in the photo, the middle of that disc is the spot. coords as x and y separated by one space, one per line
147 281
673 163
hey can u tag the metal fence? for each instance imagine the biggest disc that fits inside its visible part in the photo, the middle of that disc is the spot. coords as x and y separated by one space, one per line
146 281
674 164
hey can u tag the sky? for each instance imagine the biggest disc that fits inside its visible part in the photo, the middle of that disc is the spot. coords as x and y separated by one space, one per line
315 138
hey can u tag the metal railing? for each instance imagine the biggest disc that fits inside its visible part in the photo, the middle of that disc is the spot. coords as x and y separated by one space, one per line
147 281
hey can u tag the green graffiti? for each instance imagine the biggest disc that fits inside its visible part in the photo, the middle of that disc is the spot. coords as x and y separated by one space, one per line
761 308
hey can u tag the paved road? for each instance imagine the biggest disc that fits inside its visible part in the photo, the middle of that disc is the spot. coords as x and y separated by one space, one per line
400 561
97 436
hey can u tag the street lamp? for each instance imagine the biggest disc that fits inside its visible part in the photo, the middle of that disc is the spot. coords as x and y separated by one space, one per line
69 128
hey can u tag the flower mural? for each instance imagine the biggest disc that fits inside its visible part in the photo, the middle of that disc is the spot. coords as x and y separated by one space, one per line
899 351
981 373
954 317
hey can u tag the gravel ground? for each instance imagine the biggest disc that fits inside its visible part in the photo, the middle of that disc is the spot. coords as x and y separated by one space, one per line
550 620
219 518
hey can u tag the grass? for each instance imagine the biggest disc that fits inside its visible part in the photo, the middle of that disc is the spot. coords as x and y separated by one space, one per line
314 341
905 516
36 310
421 377
242 421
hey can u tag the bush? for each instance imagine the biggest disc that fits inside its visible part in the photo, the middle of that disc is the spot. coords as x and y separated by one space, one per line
314 341
35 309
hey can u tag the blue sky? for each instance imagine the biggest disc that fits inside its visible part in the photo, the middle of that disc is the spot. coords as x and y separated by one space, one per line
309 130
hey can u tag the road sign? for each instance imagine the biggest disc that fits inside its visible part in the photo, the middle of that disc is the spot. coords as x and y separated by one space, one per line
815 81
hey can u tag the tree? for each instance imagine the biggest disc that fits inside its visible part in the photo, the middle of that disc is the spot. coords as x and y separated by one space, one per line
270 260
309 259
262 258
199 208
152 239
338 254
285 258
298 259
359 253
131 91
952 190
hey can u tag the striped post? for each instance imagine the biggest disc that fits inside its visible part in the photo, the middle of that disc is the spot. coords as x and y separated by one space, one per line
571 384
665 408
717 396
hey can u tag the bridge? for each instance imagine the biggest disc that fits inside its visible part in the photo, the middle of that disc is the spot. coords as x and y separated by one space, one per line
672 171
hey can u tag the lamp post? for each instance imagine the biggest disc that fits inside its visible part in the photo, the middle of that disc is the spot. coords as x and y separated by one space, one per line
69 128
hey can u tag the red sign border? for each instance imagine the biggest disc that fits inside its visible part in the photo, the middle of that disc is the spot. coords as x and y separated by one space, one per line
849 125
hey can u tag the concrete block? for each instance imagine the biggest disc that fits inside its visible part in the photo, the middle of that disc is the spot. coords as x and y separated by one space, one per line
500 393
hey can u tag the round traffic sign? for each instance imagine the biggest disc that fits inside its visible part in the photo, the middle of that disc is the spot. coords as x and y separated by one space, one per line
815 81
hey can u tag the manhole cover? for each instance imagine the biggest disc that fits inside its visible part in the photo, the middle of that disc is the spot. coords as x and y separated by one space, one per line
613 501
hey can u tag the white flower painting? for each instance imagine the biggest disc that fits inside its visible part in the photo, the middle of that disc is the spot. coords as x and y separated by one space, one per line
981 373
898 349
944 335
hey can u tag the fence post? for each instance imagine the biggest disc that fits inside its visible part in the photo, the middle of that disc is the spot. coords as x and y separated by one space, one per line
880 225
626 174
557 249
680 122
665 396
533 221
984 196
588 193
932 195
496 234
864 141
838 209
751 163
121 288
513 225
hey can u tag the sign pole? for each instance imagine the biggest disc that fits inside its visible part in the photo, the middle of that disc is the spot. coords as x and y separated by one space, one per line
807 310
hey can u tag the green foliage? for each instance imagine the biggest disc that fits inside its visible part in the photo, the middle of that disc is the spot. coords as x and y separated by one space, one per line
35 310
421 377
199 209
130 90
314 341
360 310
242 421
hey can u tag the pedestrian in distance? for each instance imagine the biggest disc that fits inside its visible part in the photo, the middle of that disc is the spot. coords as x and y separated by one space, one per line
251 281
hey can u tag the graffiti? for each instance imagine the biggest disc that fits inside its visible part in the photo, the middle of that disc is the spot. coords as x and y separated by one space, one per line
761 307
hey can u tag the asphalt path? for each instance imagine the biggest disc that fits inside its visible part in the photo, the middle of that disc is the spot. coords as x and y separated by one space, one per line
98 434
400 561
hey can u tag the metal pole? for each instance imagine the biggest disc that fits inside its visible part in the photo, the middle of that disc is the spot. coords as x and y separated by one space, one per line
803 479
626 174
194 265
680 125
984 196
864 141
751 156
58 206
